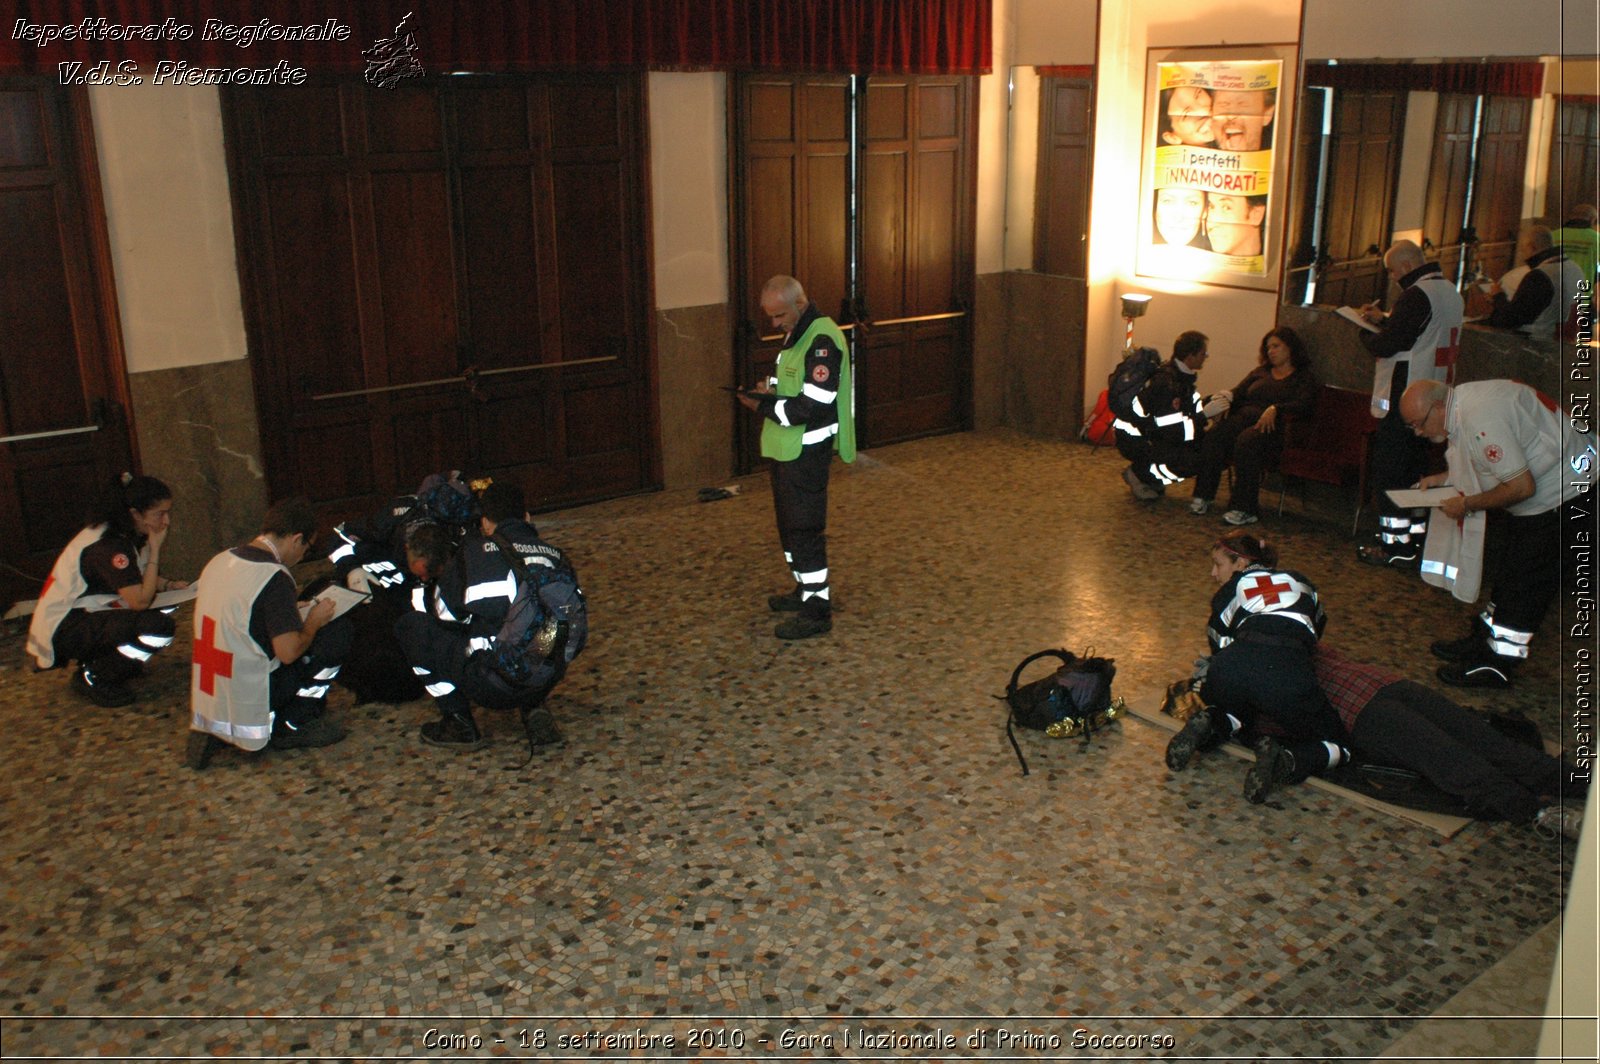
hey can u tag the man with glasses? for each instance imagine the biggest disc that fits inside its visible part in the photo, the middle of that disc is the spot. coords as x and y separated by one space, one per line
1513 452
1417 342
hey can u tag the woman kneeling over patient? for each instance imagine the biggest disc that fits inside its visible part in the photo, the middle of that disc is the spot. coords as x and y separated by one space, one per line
112 565
1260 683
1250 436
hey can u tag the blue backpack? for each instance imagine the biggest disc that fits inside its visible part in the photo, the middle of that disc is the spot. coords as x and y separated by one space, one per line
1128 379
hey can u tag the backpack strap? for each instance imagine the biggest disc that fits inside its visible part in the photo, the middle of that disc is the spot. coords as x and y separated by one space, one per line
1066 657
558 647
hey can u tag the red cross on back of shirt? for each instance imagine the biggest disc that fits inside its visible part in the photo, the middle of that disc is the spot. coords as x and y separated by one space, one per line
1267 591
210 659
1444 356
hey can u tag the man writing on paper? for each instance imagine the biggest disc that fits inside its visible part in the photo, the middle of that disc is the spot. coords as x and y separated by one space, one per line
1509 449
261 670
1417 342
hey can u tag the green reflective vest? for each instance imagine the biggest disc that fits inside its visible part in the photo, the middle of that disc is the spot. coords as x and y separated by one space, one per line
783 442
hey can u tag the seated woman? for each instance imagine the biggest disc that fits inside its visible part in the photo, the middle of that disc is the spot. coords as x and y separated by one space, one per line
1260 681
1249 436
112 564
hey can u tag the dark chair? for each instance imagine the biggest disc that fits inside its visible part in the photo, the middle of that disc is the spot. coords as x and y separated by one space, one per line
1330 446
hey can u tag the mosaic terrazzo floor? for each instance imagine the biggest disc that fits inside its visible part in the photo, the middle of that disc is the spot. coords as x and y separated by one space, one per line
829 838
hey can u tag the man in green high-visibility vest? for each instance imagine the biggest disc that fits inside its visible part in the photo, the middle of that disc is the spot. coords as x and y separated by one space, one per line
808 414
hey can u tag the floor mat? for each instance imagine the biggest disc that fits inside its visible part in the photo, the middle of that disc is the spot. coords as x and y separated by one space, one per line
1364 789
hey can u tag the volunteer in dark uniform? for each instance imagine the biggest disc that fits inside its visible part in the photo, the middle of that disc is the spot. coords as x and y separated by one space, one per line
1161 441
1265 623
456 636
369 554
1418 341
261 671
95 606
808 416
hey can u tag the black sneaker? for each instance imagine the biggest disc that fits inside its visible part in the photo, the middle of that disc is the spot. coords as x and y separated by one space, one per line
803 627
1463 649
197 753
789 603
109 695
1274 767
1181 749
454 731
320 731
540 725
1475 672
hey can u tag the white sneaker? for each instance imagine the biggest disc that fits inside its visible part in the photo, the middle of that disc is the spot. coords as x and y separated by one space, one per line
1141 491
1199 506
1562 820
1240 517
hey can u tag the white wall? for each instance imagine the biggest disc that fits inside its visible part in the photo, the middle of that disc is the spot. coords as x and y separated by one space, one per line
689 188
1234 319
170 220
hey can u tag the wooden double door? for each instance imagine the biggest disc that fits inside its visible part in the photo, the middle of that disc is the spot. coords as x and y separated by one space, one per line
863 189
63 386
450 274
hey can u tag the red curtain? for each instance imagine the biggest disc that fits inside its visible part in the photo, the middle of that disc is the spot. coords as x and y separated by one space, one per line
1487 79
823 36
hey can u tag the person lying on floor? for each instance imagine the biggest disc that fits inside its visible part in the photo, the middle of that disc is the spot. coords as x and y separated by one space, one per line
1265 622
1393 721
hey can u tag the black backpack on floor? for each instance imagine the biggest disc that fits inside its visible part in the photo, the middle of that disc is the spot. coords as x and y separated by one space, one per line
1075 699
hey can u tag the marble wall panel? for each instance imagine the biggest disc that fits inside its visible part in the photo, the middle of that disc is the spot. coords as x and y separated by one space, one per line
198 431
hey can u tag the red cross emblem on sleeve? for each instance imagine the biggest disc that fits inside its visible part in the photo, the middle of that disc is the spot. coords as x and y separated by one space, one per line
210 659
1267 591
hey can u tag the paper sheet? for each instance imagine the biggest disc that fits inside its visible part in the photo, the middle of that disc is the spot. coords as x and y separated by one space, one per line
1415 497
1352 314
344 600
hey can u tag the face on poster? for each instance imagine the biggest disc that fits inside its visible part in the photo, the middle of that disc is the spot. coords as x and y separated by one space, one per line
1209 168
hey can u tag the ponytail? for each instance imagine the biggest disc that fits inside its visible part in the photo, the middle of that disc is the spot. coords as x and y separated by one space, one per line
1248 547
128 492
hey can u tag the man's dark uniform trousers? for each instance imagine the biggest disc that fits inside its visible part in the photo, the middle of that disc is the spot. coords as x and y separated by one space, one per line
803 422
1162 439
449 637
1417 342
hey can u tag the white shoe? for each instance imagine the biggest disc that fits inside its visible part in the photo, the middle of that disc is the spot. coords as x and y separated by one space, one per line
1239 517
1199 506
1562 820
1141 491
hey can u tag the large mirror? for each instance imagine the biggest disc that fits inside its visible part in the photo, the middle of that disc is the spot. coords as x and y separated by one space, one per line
1453 153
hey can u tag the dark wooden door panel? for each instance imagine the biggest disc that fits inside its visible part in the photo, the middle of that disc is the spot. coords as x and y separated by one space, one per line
914 368
1363 160
61 370
1497 195
437 274
1061 212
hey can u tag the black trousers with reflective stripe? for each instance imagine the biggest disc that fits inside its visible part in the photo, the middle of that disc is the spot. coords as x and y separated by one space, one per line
1399 460
443 652
800 497
328 650
91 639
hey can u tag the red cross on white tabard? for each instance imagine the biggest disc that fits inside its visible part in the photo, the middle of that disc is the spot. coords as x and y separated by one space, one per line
1268 592
210 659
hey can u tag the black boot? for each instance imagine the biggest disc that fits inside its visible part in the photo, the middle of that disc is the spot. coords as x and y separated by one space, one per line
1274 767
1471 645
1195 734
454 730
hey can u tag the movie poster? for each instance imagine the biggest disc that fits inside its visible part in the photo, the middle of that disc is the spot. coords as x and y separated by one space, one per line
1209 171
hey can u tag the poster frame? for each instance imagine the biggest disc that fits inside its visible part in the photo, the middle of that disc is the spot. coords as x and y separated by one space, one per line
1206 267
